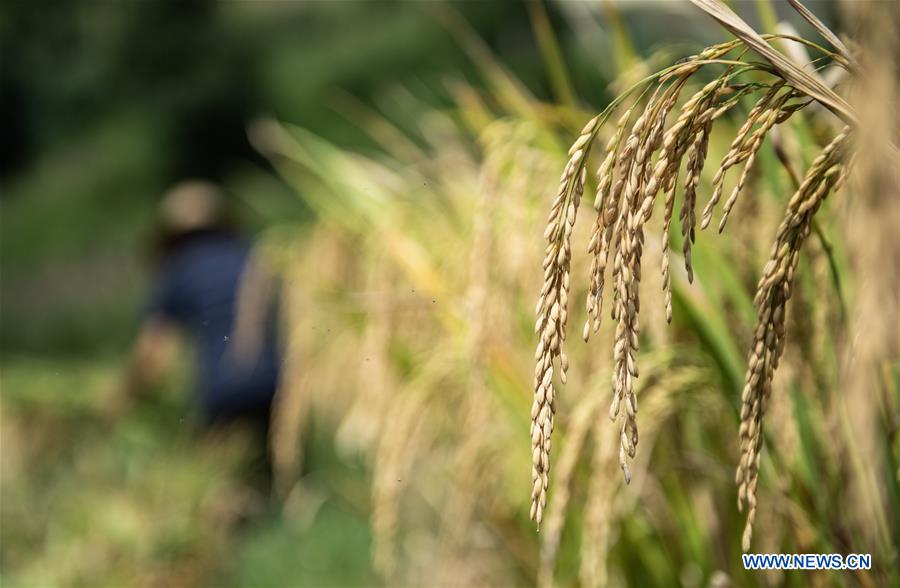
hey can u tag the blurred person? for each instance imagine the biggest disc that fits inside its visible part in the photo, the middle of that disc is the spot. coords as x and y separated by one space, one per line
208 286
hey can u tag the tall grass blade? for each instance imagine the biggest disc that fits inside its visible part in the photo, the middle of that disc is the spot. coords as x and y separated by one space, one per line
553 59
826 33
802 80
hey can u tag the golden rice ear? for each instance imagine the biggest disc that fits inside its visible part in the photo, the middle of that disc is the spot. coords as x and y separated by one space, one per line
772 296
552 313
798 78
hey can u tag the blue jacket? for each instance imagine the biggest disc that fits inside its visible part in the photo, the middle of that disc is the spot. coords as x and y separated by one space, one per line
197 288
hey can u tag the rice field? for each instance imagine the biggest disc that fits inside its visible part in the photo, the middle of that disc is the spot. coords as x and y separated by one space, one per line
733 295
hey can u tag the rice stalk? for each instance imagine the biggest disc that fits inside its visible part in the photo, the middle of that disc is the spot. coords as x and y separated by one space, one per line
477 406
552 311
397 449
664 385
600 511
867 421
772 294
582 420
368 414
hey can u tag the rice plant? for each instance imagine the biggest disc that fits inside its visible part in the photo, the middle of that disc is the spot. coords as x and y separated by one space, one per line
643 158
409 328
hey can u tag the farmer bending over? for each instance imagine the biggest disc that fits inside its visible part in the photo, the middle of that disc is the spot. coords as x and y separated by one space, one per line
204 270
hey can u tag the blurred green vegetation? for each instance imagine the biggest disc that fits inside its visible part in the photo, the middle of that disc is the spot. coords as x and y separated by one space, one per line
141 503
110 104
106 105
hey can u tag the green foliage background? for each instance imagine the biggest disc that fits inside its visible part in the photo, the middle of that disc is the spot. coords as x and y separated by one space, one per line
105 105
